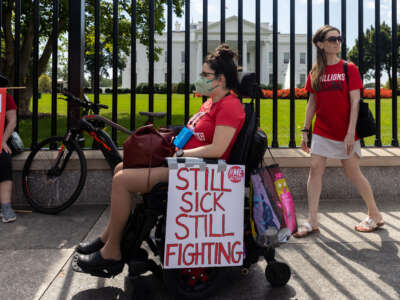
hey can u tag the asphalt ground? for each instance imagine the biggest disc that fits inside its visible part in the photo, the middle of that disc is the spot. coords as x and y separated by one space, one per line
337 263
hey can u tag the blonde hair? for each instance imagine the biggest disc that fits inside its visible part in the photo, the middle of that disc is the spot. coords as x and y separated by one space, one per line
318 68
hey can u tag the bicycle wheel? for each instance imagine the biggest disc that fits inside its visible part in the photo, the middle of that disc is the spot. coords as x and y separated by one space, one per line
46 184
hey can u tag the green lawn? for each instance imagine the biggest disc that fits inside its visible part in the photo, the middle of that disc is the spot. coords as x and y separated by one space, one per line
160 104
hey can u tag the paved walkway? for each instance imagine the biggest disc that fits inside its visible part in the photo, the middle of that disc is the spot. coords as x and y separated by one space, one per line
338 263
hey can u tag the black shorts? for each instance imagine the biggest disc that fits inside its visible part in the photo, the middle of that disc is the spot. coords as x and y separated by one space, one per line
5 166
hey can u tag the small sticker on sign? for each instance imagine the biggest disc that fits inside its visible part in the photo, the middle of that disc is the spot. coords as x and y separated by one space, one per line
235 174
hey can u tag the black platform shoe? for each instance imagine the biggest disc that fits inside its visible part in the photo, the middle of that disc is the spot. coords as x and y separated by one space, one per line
89 247
96 265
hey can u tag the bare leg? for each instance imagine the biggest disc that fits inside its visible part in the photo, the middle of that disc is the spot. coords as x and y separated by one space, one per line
5 191
314 187
352 170
118 168
125 182
106 231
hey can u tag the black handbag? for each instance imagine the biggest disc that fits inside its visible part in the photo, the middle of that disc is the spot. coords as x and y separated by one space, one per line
15 143
365 122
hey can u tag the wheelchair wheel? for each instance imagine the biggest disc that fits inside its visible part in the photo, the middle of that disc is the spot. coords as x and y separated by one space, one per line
277 274
195 283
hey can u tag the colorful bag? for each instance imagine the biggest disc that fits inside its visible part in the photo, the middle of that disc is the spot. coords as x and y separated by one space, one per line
266 218
272 213
270 187
263 213
285 197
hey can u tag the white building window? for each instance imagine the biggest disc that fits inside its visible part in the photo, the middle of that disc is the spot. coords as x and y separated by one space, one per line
182 56
165 77
270 57
166 57
271 78
286 56
302 58
248 57
182 77
302 79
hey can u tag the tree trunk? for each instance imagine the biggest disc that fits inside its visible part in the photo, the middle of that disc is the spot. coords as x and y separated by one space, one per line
388 68
7 67
24 103
26 95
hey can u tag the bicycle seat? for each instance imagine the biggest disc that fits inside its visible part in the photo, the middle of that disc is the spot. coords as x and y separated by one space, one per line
153 114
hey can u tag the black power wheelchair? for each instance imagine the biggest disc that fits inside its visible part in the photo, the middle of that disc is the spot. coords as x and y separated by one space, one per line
147 224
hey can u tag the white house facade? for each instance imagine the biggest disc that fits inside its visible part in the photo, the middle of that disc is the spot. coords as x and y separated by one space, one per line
231 36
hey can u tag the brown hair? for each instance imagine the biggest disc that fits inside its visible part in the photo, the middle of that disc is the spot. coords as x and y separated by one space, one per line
318 68
222 61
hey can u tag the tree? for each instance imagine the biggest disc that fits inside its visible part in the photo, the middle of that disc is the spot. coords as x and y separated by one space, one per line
385 51
44 83
46 27
388 84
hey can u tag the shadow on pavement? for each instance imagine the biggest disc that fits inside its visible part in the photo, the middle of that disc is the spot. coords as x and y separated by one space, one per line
41 231
146 287
383 260
109 293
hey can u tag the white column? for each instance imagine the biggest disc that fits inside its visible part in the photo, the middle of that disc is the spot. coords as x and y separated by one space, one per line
199 61
126 75
244 58
263 68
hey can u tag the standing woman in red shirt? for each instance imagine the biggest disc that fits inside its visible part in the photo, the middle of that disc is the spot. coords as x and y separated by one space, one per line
335 104
8 214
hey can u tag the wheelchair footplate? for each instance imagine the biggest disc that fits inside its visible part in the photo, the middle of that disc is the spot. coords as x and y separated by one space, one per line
104 273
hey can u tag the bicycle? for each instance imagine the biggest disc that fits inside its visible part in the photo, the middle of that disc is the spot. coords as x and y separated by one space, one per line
47 161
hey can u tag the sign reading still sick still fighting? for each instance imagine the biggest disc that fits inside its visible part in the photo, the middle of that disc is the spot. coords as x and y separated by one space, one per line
204 217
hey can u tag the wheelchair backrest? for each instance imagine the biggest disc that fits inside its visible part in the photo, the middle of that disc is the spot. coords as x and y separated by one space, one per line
241 151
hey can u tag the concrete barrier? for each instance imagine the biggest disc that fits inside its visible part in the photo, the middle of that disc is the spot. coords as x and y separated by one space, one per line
380 165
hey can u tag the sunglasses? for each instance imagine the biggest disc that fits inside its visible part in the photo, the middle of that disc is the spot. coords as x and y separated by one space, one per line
334 39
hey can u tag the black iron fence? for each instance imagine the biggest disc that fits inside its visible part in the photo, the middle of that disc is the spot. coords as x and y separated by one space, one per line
76 52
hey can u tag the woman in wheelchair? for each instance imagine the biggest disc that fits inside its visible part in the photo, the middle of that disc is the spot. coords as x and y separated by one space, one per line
215 128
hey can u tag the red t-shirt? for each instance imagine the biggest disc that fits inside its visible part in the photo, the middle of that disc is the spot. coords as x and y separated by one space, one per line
226 112
10 103
333 100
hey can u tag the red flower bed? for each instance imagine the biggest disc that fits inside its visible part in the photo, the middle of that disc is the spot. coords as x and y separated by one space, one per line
370 93
285 93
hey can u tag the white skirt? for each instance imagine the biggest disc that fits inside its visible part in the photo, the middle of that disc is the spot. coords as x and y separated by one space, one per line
332 149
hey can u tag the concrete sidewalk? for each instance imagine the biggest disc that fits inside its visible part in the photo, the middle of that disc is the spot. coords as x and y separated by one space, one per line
339 263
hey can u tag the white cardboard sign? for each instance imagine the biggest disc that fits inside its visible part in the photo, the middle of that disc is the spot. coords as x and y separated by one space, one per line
204 217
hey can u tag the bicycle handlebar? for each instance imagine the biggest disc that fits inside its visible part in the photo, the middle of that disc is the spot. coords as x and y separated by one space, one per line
86 103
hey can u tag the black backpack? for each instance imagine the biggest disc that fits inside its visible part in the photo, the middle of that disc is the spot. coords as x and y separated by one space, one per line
366 125
251 143
257 150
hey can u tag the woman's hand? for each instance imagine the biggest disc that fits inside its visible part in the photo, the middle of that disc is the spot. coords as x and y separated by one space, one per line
349 143
304 142
5 148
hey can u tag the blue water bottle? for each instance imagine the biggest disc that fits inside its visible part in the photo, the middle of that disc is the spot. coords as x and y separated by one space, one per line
182 138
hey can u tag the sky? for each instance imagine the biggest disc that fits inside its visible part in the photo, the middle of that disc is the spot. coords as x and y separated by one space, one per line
231 8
